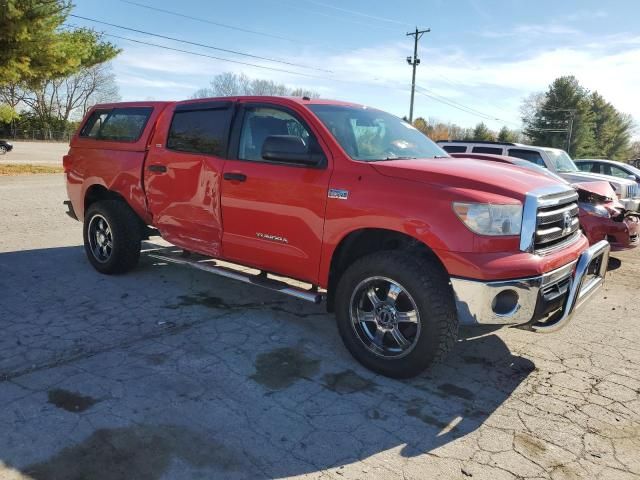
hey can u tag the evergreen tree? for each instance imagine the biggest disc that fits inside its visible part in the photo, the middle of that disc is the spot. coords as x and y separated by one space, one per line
549 123
612 129
482 133
507 136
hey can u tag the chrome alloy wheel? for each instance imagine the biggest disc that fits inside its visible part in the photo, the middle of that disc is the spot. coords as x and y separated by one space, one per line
385 317
100 238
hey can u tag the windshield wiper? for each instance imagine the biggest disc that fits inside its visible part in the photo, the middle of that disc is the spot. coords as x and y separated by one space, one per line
393 158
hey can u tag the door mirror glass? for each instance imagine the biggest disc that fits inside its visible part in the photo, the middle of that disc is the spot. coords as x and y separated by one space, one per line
289 149
632 177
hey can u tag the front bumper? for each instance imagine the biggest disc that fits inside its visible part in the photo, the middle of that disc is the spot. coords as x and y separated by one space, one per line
545 302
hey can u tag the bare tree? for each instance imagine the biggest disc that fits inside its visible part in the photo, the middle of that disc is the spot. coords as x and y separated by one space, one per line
230 84
66 99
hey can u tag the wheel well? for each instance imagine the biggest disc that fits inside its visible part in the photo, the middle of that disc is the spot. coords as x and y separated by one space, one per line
98 192
364 242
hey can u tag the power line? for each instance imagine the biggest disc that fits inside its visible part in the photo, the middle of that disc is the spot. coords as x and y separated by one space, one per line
423 91
211 22
340 18
235 52
355 12
238 62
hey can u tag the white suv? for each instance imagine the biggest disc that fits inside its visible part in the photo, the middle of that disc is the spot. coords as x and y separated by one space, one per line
555 159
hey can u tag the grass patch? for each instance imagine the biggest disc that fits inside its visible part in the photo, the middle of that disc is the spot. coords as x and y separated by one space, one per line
22 169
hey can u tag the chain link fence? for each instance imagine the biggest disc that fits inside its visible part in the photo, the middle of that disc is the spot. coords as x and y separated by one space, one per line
34 135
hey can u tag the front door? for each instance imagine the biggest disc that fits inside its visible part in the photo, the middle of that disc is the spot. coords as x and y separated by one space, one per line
183 173
273 213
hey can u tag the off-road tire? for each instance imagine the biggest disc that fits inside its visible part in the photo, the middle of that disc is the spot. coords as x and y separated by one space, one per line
126 234
426 281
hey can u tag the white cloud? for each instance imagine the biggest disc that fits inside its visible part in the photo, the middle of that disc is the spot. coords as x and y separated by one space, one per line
527 31
583 15
379 75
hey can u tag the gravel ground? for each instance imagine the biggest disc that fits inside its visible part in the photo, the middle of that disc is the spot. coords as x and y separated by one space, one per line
36 153
171 373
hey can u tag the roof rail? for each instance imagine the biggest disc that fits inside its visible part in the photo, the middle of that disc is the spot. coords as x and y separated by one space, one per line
488 142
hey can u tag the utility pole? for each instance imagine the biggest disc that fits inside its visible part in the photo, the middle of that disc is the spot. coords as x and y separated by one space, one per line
414 61
570 130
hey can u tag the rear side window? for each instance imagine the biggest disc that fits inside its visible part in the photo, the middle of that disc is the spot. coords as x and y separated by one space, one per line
529 155
94 124
491 150
200 131
585 166
118 125
455 148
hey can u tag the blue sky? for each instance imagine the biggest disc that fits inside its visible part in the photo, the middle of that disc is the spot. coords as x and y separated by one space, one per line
484 55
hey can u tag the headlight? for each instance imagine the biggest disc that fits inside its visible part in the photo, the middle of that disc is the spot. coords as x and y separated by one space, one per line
488 219
595 210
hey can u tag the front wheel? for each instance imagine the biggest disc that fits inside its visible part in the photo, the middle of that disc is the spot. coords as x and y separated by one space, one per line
112 236
396 313
3 149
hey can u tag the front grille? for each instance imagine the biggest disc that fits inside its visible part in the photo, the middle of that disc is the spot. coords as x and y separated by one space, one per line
633 191
556 221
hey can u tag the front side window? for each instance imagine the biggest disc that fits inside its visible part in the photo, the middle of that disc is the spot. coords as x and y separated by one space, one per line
262 122
117 125
617 172
372 135
529 155
199 131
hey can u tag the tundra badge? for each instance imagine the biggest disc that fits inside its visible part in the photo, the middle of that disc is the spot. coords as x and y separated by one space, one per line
339 194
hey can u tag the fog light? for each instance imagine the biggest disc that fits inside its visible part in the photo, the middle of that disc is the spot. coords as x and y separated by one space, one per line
505 303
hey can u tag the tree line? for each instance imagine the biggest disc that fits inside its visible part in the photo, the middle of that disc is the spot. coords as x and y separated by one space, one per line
230 84
566 116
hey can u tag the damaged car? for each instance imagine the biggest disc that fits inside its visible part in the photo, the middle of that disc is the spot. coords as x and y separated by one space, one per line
602 215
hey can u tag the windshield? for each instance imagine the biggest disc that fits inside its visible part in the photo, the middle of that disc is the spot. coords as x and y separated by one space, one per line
562 161
372 135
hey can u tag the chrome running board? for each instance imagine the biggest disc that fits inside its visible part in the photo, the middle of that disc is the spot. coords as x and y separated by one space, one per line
207 264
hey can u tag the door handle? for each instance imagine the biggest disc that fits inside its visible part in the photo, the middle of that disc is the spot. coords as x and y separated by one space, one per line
157 168
233 176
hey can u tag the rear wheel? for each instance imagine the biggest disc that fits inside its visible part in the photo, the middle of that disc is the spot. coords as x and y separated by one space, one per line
112 236
3 149
396 313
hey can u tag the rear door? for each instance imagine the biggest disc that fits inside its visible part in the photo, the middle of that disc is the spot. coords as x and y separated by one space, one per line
274 212
183 173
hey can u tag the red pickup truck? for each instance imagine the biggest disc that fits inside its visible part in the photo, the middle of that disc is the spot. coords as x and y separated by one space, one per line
402 241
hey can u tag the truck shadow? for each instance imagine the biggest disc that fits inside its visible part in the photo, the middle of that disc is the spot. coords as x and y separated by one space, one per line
283 399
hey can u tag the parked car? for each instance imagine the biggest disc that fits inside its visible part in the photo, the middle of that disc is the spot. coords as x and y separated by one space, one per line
556 160
5 147
602 216
403 242
609 167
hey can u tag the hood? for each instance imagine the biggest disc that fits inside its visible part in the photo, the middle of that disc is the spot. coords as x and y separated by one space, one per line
590 177
601 189
599 193
463 173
